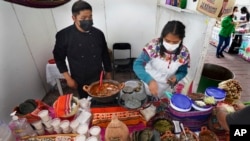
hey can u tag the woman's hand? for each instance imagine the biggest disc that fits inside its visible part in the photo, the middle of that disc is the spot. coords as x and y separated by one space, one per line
153 87
172 80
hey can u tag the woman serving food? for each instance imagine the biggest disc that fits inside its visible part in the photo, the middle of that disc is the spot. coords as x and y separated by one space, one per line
164 61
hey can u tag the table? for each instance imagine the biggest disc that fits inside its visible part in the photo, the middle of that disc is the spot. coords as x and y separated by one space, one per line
53 76
214 39
244 51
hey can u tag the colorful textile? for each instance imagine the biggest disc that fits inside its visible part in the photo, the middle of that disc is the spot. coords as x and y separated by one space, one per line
63 105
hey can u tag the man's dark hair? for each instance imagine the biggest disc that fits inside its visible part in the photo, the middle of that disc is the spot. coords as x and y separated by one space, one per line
79 6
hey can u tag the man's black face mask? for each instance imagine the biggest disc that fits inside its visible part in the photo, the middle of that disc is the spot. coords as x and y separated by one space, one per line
86 24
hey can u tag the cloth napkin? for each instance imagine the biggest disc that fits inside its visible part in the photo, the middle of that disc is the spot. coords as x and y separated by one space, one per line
63 105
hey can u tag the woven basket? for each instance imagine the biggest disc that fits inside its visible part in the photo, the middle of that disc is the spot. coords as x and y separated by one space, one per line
194 120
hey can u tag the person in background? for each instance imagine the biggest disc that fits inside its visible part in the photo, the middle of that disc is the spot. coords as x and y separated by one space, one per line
227 28
241 115
235 11
164 61
245 17
85 48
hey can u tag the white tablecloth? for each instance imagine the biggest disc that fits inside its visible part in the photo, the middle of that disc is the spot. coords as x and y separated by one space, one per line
53 75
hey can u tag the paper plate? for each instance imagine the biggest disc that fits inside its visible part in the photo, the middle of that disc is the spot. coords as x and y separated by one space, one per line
181 102
217 93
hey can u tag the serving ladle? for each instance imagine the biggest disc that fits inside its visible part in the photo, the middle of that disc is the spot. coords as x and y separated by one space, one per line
100 81
184 132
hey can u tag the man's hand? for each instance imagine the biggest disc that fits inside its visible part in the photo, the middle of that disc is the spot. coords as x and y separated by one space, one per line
238 105
108 75
70 81
153 87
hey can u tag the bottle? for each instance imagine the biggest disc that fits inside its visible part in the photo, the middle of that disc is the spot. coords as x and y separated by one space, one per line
20 128
5 132
168 2
183 4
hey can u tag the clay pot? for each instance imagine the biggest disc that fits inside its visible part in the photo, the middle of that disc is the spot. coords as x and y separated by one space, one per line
190 135
207 135
107 93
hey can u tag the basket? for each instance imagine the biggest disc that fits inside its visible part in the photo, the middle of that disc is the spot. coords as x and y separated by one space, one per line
194 120
33 116
73 111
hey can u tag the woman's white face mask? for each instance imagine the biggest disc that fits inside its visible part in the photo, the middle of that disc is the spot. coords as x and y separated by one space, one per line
170 47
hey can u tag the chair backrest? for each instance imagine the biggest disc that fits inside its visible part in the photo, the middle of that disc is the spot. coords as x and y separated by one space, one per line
122 46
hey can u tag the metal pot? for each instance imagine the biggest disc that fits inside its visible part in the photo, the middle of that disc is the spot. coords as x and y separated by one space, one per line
108 92
135 99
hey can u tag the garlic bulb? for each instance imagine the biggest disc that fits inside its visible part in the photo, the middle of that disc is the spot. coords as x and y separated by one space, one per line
116 130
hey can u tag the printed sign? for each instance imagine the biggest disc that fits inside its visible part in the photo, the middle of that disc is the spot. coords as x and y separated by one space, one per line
215 8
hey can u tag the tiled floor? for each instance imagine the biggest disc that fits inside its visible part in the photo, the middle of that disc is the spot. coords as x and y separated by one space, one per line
237 65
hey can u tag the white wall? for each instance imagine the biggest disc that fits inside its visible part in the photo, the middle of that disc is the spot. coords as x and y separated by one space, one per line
130 21
28 35
24 46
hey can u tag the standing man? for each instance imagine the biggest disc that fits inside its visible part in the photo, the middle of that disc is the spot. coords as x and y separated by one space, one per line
85 48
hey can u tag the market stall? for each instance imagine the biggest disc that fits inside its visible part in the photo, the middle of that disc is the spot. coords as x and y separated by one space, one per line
130 115
244 51
232 47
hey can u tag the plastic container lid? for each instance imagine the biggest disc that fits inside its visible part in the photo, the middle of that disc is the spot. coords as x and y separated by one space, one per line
198 108
181 101
217 93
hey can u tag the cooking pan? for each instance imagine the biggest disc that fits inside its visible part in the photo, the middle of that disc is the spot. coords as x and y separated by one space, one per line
108 91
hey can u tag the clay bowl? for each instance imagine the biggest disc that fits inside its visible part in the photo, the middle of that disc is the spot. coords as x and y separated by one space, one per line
191 135
207 135
169 136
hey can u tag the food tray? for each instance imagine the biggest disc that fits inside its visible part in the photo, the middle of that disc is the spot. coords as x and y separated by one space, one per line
135 99
55 137
102 116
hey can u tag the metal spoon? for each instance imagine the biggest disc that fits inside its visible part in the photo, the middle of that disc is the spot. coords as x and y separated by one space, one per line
184 132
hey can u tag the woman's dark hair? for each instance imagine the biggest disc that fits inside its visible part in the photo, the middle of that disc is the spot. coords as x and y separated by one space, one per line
234 10
79 6
244 10
235 7
176 28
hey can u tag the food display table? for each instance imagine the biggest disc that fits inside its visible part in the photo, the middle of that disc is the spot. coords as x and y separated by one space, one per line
214 39
244 51
163 118
53 76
